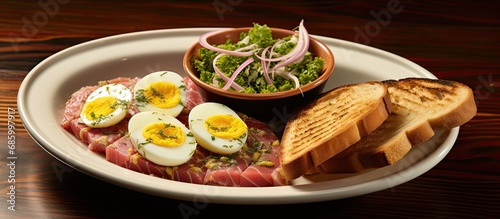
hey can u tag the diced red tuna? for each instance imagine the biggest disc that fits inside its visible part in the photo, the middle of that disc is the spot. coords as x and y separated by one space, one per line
261 175
193 96
254 165
278 178
194 170
120 152
123 153
127 82
75 104
265 160
257 176
98 138
140 164
225 171
189 172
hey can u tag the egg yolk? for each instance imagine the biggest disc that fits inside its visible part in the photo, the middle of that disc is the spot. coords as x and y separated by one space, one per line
164 134
162 94
100 107
225 126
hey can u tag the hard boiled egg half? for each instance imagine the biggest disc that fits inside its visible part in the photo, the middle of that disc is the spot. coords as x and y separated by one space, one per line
161 138
160 91
106 106
217 128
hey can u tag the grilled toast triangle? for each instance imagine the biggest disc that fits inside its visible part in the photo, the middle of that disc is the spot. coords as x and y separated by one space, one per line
331 123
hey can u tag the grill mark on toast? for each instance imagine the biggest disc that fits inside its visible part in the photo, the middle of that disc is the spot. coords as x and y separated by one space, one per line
317 130
434 97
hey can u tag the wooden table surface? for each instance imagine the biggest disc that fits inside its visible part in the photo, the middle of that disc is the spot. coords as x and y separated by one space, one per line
455 40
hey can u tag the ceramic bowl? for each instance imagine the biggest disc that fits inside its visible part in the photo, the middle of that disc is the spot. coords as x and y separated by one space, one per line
262 106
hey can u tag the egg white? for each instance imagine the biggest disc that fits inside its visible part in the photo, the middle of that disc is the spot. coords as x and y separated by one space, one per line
118 91
167 76
197 118
161 155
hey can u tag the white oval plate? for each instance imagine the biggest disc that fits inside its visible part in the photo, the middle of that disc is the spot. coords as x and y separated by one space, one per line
45 89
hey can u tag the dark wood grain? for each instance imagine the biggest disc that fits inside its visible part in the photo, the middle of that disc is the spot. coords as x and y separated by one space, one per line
455 40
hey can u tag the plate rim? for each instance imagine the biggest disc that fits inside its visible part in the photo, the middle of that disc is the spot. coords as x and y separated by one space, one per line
279 196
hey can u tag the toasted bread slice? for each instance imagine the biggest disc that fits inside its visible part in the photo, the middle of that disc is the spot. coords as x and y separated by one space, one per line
330 124
421 107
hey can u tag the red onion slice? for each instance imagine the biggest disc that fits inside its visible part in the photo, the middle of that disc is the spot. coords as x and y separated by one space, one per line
222 75
203 42
265 68
237 72
291 76
300 49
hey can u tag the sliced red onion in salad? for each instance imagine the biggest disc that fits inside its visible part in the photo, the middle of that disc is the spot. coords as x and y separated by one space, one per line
236 72
239 52
300 49
236 87
264 67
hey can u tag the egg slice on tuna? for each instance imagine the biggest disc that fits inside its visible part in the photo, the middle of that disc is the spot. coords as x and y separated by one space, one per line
160 91
106 106
217 128
161 138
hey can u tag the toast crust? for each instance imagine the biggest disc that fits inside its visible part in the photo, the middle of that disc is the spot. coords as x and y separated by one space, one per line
421 108
330 124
